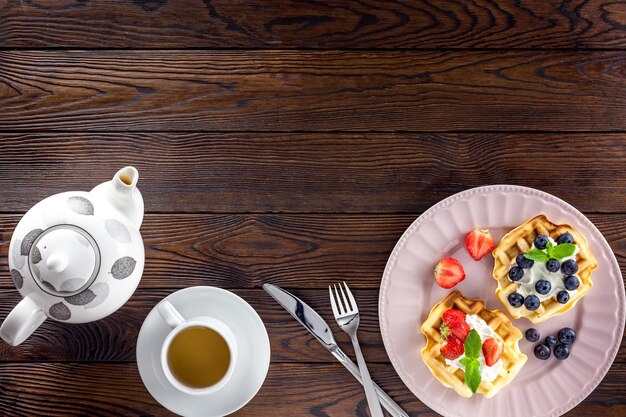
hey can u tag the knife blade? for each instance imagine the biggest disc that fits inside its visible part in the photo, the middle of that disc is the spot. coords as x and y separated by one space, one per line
318 327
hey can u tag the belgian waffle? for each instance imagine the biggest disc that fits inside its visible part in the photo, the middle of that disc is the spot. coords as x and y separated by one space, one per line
512 359
521 239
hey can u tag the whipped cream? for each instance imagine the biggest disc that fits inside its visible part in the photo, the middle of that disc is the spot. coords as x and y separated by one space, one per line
487 373
537 272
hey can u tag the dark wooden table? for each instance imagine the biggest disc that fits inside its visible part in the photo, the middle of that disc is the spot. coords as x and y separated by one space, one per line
293 142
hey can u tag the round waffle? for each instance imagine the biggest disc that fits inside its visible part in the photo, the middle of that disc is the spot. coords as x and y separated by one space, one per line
521 239
512 358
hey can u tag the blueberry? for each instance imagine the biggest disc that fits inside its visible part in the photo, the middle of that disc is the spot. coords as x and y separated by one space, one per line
532 302
571 282
523 262
561 352
541 241
565 238
550 341
562 297
553 265
567 336
569 267
532 335
516 273
542 352
543 287
516 300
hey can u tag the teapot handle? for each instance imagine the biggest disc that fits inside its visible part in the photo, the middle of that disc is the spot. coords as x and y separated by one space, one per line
171 316
22 321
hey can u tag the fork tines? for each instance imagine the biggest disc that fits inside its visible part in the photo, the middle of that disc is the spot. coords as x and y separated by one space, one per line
339 308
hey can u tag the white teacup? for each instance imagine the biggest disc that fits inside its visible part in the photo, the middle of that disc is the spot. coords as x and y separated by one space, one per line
178 323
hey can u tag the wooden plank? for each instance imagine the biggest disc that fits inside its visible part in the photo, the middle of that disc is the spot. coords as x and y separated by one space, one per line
113 339
294 251
101 390
312 90
313 172
328 24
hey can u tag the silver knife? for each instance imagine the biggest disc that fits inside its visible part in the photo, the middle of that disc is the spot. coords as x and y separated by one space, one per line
316 325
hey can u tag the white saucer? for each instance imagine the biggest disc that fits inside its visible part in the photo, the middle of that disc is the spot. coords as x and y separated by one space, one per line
253 358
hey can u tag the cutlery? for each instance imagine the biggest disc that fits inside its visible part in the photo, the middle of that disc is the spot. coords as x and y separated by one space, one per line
348 318
316 325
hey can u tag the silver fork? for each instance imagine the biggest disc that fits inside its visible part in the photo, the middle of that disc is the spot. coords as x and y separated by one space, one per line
347 316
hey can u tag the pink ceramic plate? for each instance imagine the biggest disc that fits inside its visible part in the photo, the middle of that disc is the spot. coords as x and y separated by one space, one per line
408 291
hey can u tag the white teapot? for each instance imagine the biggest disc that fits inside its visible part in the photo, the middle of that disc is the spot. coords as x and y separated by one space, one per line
77 256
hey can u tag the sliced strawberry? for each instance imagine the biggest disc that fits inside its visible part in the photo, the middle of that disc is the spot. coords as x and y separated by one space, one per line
453 314
479 243
452 348
492 351
454 323
449 272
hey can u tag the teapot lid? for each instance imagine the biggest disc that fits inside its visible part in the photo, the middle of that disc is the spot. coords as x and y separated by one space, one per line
64 260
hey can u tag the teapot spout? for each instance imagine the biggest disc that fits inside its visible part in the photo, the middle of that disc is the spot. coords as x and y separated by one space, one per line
123 194
126 179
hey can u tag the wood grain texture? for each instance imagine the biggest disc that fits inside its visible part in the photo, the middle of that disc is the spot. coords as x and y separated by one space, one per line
313 24
293 251
312 172
293 142
113 339
101 390
313 90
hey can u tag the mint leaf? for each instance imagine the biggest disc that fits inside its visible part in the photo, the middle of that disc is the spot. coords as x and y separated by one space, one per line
537 255
563 250
473 345
465 361
472 376
549 246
